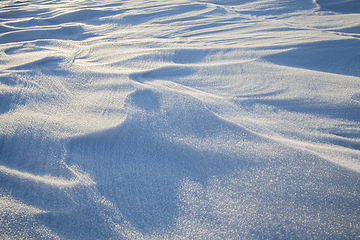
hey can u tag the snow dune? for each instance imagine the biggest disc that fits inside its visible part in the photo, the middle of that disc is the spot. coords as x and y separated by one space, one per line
180 119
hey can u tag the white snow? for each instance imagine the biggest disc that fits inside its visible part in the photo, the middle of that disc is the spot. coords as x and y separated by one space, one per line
180 119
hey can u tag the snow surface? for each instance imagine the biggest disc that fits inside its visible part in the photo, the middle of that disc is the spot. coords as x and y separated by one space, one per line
180 119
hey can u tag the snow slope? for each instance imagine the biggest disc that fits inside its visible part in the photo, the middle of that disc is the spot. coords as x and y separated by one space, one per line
180 119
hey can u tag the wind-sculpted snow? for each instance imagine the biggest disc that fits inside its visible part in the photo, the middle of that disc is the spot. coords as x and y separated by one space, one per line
178 119
323 56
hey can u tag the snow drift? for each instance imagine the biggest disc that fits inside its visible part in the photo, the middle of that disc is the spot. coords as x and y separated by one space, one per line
179 119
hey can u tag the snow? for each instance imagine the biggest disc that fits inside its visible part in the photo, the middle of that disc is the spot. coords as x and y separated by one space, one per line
180 119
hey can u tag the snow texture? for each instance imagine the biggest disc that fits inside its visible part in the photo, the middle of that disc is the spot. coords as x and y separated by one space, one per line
180 119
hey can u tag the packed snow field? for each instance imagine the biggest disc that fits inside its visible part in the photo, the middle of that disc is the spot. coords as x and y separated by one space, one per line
180 119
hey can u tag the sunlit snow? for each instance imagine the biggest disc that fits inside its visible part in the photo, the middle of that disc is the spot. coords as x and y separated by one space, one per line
180 119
